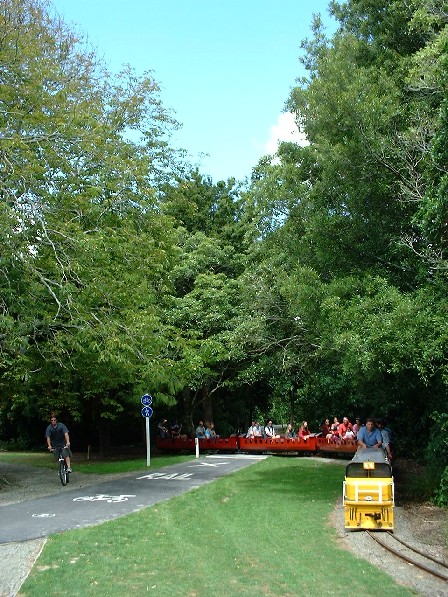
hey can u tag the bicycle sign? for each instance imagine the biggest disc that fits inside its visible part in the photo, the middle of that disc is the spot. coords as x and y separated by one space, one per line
147 411
146 400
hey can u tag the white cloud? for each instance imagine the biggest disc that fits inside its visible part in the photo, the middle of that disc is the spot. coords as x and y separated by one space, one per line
285 130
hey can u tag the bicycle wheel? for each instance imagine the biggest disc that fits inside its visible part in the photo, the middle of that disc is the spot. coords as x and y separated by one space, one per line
62 472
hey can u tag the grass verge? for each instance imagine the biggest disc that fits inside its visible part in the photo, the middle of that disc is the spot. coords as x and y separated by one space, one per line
46 460
263 530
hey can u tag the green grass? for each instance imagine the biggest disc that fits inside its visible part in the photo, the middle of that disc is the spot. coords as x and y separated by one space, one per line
46 460
127 466
264 530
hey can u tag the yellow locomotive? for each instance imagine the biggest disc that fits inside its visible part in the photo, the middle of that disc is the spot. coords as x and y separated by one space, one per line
368 492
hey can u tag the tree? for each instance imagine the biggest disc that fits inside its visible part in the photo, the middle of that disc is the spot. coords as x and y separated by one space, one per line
361 209
214 235
84 270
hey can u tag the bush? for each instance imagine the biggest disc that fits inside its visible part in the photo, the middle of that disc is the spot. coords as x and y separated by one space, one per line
441 495
437 456
15 445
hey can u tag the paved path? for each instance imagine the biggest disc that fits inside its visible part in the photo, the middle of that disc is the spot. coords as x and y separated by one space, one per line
78 508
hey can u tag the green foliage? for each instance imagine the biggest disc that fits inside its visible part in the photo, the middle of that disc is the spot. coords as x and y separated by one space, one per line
437 449
441 495
318 290
362 209
86 256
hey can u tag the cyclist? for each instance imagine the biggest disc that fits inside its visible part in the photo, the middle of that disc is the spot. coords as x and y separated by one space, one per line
57 437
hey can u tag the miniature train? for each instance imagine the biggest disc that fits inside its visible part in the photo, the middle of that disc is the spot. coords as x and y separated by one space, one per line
314 444
368 491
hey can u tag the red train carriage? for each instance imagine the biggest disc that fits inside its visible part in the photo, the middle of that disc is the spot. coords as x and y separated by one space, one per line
223 444
280 444
188 444
313 445
343 446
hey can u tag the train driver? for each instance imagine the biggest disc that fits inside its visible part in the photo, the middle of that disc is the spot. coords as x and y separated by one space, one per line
369 436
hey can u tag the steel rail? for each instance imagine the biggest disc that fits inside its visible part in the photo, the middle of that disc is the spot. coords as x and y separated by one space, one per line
409 560
422 553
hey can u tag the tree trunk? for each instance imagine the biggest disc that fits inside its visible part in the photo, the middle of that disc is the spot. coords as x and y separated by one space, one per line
291 408
207 404
104 437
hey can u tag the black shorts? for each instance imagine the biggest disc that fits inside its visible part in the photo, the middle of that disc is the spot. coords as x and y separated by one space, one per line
65 452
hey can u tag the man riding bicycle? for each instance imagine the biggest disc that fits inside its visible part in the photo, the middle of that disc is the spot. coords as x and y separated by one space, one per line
57 437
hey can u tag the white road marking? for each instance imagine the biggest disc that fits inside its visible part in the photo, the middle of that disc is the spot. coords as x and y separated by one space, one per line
101 497
168 476
208 464
241 456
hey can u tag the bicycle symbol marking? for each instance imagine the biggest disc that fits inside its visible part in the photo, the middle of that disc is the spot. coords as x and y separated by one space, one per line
101 497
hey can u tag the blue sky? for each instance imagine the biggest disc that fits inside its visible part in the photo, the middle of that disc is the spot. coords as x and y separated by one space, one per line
224 66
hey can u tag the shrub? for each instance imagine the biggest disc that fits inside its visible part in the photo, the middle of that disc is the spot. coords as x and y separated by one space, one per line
441 495
437 456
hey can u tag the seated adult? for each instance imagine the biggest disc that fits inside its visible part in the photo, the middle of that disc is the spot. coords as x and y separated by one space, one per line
200 430
175 429
304 432
257 430
386 436
356 427
290 433
163 429
269 430
334 431
325 428
252 429
210 432
369 436
345 429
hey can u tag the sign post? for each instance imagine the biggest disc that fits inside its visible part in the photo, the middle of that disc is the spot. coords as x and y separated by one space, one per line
147 412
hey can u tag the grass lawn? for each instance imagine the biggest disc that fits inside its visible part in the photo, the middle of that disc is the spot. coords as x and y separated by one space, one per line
46 460
264 530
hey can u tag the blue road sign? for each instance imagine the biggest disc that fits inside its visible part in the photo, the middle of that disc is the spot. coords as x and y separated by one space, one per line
147 411
147 400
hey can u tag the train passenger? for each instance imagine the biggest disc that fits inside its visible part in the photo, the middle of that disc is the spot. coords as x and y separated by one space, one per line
356 427
326 428
334 430
369 436
200 430
345 429
175 429
210 432
257 431
386 436
290 433
162 429
304 432
269 430
250 431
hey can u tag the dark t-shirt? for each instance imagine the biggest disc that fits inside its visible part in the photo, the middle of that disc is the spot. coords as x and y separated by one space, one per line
56 434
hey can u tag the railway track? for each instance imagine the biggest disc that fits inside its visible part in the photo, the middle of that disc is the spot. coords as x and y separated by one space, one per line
412 555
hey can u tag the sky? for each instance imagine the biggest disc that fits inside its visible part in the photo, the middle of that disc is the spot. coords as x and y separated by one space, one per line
225 67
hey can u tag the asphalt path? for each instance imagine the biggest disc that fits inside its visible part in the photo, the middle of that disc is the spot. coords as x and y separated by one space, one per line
78 508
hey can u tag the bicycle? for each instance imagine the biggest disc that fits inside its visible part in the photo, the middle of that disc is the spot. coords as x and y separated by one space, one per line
63 473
